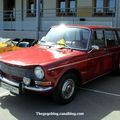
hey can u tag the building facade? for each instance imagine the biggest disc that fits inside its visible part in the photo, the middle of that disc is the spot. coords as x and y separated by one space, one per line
32 18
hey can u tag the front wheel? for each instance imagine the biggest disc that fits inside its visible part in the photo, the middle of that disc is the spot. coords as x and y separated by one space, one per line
66 89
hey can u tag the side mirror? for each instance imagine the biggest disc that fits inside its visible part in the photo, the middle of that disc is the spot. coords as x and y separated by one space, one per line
94 47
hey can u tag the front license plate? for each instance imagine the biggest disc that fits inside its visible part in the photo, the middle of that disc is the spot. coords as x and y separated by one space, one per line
10 88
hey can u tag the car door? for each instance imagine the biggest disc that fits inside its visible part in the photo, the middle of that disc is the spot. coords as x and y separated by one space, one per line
96 58
112 50
118 36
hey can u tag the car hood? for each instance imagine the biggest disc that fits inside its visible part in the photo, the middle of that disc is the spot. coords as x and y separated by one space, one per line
35 56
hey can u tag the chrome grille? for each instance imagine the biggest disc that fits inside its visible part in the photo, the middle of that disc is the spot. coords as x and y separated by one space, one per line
16 71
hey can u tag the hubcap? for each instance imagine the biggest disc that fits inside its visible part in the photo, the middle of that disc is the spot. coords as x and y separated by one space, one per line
68 88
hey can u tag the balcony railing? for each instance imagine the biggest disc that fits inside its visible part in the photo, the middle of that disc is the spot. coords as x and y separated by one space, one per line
86 11
10 15
105 11
27 19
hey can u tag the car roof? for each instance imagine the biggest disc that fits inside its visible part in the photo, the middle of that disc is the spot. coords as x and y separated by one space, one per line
88 26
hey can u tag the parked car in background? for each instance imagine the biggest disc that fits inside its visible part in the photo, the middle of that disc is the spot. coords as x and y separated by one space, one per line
67 57
7 44
25 42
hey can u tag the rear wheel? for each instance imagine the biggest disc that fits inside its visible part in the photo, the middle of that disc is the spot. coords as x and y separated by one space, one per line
117 71
66 89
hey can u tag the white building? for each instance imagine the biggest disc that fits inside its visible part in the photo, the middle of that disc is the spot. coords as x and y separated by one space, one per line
32 18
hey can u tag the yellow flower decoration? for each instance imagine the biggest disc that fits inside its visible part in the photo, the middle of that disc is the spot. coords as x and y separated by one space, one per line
61 42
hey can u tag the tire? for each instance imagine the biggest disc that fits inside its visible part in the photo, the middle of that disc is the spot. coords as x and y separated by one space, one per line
116 72
118 69
66 89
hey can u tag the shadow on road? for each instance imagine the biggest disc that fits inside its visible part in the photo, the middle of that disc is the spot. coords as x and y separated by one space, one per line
95 106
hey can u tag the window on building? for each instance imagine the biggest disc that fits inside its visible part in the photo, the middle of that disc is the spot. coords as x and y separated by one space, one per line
31 8
9 10
99 6
62 6
66 7
111 6
104 7
41 7
72 6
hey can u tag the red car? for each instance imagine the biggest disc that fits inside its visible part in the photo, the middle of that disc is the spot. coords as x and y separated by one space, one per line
67 57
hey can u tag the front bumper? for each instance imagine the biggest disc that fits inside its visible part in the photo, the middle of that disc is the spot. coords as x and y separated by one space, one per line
21 87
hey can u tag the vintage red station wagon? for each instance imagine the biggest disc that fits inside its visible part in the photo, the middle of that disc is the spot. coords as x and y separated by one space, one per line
67 57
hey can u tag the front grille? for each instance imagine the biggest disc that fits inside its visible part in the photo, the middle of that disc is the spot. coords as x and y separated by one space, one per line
17 71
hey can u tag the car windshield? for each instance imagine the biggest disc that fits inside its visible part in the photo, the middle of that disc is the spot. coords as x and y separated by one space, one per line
68 37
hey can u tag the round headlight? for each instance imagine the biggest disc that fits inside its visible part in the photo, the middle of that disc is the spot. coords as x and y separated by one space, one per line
39 73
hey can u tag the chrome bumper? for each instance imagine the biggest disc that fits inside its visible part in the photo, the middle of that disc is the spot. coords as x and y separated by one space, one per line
5 80
38 89
23 87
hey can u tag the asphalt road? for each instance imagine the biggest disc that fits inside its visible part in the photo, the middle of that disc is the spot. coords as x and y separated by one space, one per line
98 100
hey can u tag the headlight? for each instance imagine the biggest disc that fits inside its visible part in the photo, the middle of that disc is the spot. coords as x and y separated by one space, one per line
39 73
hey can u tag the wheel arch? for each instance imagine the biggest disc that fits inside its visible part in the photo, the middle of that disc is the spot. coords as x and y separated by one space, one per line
76 72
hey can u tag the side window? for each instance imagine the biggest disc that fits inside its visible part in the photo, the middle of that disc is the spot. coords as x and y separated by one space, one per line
110 38
118 36
98 38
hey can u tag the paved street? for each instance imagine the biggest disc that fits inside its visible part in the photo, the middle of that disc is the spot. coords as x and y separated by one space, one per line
98 100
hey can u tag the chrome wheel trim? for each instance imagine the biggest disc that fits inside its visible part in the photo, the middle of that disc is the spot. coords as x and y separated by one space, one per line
68 88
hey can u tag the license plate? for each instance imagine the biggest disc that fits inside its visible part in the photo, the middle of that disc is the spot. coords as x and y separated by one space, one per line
10 88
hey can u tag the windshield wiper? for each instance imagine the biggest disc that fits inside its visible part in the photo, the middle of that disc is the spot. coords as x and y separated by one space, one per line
50 44
44 43
65 46
69 47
